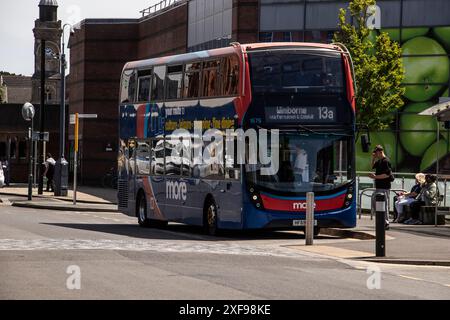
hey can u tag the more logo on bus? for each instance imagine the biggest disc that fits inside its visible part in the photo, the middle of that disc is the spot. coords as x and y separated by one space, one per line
301 206
176 190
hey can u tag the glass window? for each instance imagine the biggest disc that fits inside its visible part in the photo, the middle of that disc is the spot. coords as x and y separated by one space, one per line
232 167
158 154
173 155
143 158
294 71
230 75
12 149
22 149
2 149
210 83
213 161
159 74
192 80
308 162
265 36
174 82
128 86
144 80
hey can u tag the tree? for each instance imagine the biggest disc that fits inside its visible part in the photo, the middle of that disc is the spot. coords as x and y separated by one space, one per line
378 66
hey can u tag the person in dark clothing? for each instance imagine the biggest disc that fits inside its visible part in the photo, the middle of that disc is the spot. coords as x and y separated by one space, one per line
382 178
49 172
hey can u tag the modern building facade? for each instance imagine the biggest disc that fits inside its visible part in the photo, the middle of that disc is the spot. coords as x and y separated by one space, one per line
100 48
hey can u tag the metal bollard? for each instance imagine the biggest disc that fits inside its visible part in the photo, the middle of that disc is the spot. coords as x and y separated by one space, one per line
380 209
309 227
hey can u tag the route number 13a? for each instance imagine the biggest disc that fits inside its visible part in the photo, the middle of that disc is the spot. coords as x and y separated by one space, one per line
326 114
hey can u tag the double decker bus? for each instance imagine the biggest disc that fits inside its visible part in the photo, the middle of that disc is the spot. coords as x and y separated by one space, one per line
301 94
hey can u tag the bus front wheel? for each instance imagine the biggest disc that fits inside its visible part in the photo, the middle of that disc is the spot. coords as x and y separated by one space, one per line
210 219
142 211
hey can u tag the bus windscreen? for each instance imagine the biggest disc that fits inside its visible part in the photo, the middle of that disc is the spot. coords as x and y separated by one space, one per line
292 71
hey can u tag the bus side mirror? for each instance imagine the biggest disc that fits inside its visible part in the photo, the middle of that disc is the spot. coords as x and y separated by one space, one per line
365 143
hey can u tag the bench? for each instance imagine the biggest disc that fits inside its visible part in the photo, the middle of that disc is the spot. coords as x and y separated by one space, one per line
427 214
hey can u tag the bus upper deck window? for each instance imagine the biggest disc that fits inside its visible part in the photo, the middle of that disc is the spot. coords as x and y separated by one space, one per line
159 74
174 81
144 80
210 79
192 80
230 75
128 86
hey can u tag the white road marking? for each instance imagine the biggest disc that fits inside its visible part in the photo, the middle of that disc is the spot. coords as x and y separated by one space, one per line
151 245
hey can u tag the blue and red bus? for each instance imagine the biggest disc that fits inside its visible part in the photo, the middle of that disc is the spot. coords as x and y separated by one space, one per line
303 92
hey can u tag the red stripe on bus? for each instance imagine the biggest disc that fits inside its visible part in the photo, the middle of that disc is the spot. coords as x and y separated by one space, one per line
300 205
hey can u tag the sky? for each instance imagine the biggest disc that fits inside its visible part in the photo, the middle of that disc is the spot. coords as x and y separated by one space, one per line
17 22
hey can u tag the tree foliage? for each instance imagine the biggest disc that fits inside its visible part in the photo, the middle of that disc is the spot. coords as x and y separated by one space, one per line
378 66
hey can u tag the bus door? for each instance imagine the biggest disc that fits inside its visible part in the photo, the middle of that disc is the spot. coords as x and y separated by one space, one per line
132 172
158 200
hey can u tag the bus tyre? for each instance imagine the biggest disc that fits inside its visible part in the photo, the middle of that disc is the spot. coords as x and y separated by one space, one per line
210 219
142 211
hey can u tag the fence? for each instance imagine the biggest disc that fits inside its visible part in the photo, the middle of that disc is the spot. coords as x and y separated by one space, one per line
403 181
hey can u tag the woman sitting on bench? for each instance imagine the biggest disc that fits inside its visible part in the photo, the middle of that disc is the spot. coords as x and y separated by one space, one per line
406 199
427 197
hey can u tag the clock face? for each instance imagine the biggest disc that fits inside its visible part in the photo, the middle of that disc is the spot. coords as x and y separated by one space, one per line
49 53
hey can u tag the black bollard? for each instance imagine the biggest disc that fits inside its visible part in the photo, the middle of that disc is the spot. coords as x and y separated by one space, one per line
380 223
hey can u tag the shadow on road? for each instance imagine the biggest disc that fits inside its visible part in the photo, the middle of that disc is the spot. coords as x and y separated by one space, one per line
185 232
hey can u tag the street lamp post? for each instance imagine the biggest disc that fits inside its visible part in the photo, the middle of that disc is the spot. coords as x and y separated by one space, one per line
28 113
62 166
41 155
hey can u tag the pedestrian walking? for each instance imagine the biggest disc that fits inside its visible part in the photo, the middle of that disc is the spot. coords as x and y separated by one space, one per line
49 172
382 177
2 175
5 167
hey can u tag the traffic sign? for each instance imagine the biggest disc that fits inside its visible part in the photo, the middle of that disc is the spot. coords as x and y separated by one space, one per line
87 116
38 137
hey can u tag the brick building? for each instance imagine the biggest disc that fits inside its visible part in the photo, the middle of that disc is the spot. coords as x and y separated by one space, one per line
100 48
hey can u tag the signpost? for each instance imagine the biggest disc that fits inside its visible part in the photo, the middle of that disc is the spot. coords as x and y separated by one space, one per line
75 120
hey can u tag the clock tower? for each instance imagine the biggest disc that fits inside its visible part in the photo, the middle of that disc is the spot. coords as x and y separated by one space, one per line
48 30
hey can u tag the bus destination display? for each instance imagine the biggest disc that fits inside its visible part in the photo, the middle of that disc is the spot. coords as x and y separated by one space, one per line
303 114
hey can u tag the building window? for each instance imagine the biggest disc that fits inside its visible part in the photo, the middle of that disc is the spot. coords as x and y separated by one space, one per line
22 149
3 150
12 149
287 37
266 37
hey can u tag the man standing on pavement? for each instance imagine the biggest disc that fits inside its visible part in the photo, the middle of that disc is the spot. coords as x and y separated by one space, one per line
382 178
49 172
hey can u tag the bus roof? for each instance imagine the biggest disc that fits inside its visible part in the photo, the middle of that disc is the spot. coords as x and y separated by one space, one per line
198 55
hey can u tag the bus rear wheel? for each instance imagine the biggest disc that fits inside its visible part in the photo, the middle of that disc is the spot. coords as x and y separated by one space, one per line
142 211
210 219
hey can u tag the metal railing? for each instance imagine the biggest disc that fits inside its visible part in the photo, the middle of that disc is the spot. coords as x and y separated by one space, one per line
160 6
404 181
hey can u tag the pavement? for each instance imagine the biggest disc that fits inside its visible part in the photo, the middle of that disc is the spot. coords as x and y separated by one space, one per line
89 199
405 244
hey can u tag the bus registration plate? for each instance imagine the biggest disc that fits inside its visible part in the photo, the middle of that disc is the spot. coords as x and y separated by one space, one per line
302 223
